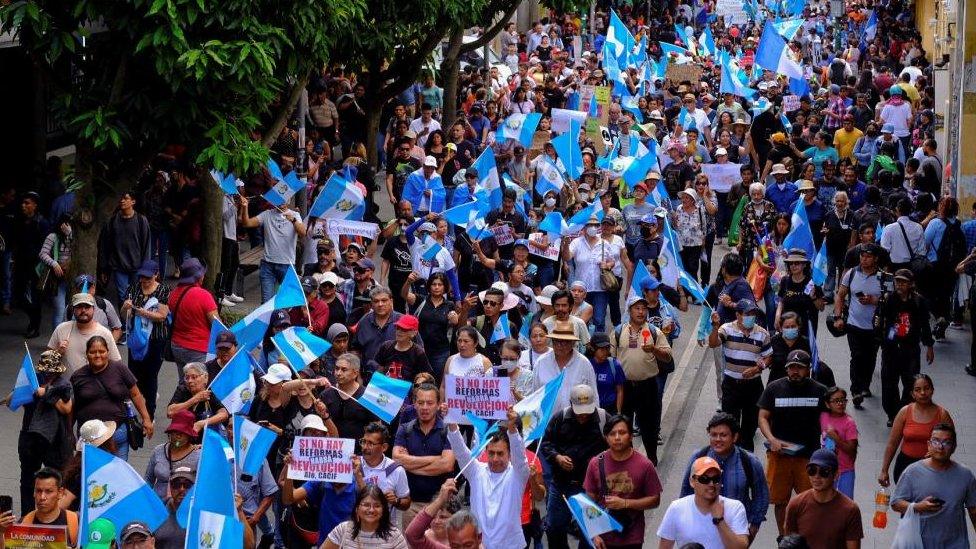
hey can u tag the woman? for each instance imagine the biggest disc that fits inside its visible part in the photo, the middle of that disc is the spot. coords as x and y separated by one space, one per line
689 223
437 316
520 103
194 310
521 381
789 338
193 395
180 451
437 533
435 147
798 293
820 152
370 526
757 215
587 255
148 299
912 428
774 262
614 250
538 346
56 255
272 408
103 390
709 201
581 308
468 362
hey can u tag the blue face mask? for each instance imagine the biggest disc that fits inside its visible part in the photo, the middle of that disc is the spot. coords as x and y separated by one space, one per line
748 322
791 333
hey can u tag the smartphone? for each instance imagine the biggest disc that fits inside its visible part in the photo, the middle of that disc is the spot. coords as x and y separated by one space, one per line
6 503
859 294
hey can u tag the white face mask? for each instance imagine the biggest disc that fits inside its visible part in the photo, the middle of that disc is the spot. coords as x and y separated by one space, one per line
550 202
592 231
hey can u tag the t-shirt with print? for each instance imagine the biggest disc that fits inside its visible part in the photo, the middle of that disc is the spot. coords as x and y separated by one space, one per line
609 374
401 169
795 412
399 364
824 525
632 478
280 237
397 252
342 537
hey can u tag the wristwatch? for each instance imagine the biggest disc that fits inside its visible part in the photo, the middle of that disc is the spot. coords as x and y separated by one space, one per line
717 520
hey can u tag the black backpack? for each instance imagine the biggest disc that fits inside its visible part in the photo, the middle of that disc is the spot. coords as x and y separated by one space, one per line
952 248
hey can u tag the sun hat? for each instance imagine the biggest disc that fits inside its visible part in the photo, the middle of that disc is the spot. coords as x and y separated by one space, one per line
563 330
95 432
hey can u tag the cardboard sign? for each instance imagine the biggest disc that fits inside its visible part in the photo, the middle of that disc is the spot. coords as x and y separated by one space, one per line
791 103
485 397
722 177
562 117
552 252
732 12
689 72
504 234
322 458
24 536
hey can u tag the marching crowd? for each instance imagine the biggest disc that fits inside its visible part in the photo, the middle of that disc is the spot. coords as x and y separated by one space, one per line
566 263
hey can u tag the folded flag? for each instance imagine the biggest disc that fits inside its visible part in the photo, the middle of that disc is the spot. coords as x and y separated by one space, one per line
113 490
251 445
234 386
339 199
459 215
669 260
772 54
704 323
871 28
592 519
878 231
26 384
787 125
525 330
520 127
482 432
285 186
501 331
535 409
384 396
787 28
637 170
689 283
300 346
568 150
819 274
637 281
228 183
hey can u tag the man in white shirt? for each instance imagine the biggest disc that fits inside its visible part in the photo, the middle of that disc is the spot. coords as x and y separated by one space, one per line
705 517
496 486
281 228
564 357
373 467
904 238
424 125
71 337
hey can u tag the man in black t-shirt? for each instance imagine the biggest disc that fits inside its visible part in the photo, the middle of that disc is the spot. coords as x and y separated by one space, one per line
397 264
399 167
677 175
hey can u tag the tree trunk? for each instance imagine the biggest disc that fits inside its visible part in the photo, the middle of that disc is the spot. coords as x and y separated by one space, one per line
284 111
450 67
213 228
373 113
39 132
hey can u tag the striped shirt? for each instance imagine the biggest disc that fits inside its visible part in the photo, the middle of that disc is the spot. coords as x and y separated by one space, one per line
742 350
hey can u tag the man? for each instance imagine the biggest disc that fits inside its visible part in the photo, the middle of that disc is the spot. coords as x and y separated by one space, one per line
704 517
856 189
564 357
697 119
315 317
422 448
904 327
781 193
789 418
48 491
71 337
824 517
281 228
938 489
735 288
226 346
373 467
904 239
375 327
425 124
743 478
846 137
123 245
424 189
494 302
399 167
624 482
338 334
562 304
746 349
931 158
403 358
509 222
105 313
329 296
641 347
171 535
678 174
349 415
335 501
496 486
137 535
573 437
29 229
859 294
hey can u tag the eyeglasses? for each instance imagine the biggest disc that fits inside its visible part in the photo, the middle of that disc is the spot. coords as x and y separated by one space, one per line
492 303
941 443
715 479
368 442
820 471
370 505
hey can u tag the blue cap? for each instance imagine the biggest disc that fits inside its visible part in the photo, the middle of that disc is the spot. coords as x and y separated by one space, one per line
522 242
824 458
650 219
896 90
888 128
149 268
746 306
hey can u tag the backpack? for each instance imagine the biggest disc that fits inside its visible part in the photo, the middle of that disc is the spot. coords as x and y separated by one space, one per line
952 248
746 467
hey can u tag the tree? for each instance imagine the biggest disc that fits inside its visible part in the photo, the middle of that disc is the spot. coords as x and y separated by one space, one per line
202 74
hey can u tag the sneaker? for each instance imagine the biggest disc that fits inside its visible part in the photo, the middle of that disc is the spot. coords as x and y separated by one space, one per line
226 302
122 340
858 399
235 298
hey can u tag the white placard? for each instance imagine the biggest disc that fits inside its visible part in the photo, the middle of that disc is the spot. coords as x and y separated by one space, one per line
722 177
732 11
562 117
791 103
552 252
486 397
322 459
344 227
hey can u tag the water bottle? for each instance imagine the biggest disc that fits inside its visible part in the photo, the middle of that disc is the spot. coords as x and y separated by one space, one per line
881 500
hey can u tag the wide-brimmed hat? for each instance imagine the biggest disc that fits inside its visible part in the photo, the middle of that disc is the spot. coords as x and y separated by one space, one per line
797 255
545 298
51 362
511 300
563 330
191 270
805 185
95 432
779 169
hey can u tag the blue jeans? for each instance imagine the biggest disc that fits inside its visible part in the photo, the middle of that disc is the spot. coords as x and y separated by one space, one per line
121 438
599 300
558 518
159 248
835 266
123 280
769 301
57 315
271 274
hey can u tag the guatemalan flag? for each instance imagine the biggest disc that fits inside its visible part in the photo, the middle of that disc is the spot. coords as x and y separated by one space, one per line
384 396
871 28
339 199
501 331
251 445
228 183
300 346
554 225
26 384
250 330
285 186
578 221
488 178
772 54
520 127
800 235
216 328
619 39
234 386
535 409
113 490
820 265
548 177
787 28
570 156
669 261
592 519
213 522
637 170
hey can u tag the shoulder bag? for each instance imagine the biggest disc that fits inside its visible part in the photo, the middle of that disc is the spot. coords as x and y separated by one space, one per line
608 281
918 264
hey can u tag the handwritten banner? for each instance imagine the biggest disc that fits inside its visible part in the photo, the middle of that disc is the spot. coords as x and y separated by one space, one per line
322 458
504 234
345 227
561 118
791 103
485 397
722 177
24 536
552 252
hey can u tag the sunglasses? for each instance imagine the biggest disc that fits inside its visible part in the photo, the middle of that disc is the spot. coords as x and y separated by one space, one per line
492 303
820 471
941 443
359 270
715 479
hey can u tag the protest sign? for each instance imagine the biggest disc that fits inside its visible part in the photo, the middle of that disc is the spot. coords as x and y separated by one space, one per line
722 177
791 103
485 397
732 12
562 117
504 234
24 536
322 458
344 227
689 72
552 252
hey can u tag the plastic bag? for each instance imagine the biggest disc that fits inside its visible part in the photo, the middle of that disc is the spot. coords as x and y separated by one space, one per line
909 533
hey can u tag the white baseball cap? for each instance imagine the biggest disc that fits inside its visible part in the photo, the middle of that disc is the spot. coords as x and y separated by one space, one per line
313 421
430 161
277 373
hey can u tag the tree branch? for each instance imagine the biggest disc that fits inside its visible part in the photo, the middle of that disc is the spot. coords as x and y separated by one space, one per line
492 31
281 117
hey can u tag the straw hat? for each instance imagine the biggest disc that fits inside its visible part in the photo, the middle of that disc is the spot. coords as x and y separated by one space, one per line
563 330
806 185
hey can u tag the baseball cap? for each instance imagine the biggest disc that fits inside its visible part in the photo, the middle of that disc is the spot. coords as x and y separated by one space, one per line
798 357
82 299
600 340
356 246
582 399
824 458
408 323
135 528
641 187
366 263
871 248
634 299
427 227
746 306
330 278
183 472
226 339
905 274
522 242
277 373
280 319
649 283
704 464
895 90
721 152
430 162
308 283
101 534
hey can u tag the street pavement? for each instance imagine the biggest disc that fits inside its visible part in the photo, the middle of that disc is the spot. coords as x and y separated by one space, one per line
690 400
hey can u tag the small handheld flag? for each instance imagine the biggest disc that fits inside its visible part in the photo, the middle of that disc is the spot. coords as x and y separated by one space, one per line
234 386
384 396
592 519
820 265
339 199
26 384
285 185
251 445
502 330
535 409
300 346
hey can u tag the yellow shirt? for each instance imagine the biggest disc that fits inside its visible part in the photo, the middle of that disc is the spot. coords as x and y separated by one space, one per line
844 142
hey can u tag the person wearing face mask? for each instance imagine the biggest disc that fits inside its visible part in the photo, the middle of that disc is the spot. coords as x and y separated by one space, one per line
588 256
789 338
649 247
179 451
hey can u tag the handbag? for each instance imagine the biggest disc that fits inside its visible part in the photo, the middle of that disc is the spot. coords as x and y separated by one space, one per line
168 348
134 435
608 281
918 264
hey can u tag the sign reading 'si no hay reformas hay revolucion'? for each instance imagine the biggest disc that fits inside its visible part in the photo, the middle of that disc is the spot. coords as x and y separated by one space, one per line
322 458
486 397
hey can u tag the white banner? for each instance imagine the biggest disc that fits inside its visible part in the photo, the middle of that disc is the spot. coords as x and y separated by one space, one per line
485 397
562 117
336 227
552 252
722 177
322 458
732 11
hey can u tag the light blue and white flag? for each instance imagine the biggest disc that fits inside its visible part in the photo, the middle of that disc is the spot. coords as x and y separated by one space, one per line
878 231
339 199
669 261
619 40
384 396
251 445
704 323
501 331
548 177
459 215
216 328
578 221
228 183
482 433
732 83
593 520
814 347
800 235
819 274
554 224
871 27
637 170
787 28
708 42
668 49
234 386
285 186
570 157
535 409
26 384
637 281
488 177
525 331
113 490
250 330
212 514
520 127
772 54
659 195
787 125
689 283
300 346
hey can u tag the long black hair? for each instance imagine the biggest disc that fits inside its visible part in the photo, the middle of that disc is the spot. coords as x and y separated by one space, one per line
384 527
